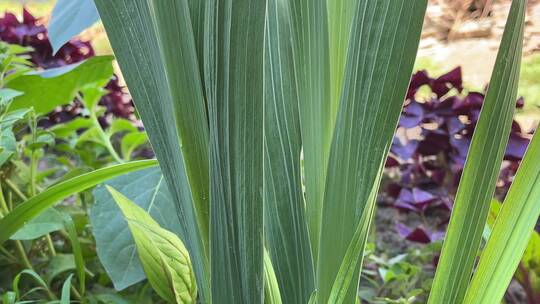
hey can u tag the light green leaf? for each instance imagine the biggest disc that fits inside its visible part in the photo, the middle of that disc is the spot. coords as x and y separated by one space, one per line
235 91
8 145
340 17
11 118
312 64
48 89
77 253
271 288
30 209
58 264
383 44
286 230
71 127
355 252
511 232
66 292
132 141
481 170
121 125
142 66
70 18
115 245
48 221
34 276
163 256
6 95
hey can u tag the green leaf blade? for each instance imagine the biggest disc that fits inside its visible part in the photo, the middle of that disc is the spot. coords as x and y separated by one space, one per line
383 45
115 246
286 230
235 97
142 66
481 169
311 59
511 232
39 203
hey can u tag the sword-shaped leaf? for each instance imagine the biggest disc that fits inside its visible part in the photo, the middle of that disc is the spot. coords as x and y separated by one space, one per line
481 170
383 45
131 27
235 91
286 230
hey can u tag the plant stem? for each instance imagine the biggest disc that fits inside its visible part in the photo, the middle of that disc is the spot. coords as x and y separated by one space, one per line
3 205
105 138
22 254
15 189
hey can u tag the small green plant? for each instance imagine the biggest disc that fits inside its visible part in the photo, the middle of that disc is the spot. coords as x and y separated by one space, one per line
47 256
234 94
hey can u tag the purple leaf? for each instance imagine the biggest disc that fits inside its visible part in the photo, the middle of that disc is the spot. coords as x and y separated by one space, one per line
516 148
412 115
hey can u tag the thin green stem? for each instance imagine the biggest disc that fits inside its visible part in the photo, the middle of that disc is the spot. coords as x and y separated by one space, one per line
105 138
15 189
3 204
22 254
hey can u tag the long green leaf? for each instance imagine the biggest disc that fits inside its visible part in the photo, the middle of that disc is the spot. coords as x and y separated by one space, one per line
311 60
37 204
235 37
340 17
272 294
355 252
286 230
383 45
511 232
482 167
179 53
131 23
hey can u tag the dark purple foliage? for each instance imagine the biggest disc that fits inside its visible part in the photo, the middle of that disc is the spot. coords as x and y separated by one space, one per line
30 32
429 151
419 234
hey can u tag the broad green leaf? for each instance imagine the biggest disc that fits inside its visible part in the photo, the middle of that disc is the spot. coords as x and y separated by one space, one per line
271 288
286 231
141 63
58 264
115 245
383 45
481 170
162 254
45 90
34 206
48 221
235 91
69 18
511 232
311 60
